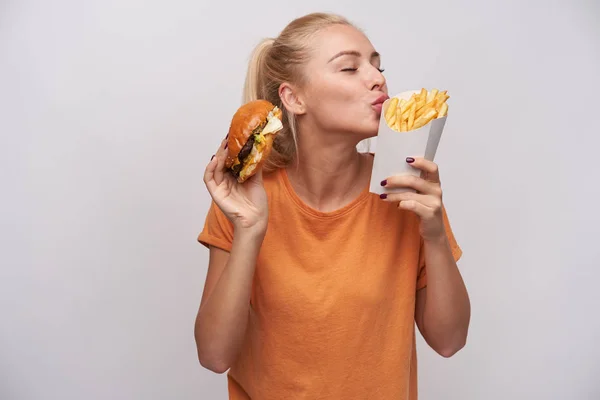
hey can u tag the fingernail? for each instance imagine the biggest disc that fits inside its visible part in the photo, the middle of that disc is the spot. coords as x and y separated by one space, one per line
226 136
384 182
226 144
383 196
212 157
410 160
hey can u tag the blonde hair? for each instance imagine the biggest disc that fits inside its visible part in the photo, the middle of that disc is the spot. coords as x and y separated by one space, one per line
277 60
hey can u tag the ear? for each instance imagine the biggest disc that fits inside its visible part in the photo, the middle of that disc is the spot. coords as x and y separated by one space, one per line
289 95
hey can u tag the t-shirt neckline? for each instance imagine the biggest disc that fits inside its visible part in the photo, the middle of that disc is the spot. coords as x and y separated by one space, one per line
362 197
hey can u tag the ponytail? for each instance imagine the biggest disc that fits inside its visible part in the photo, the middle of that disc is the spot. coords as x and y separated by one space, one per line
274 61
254 86
260 84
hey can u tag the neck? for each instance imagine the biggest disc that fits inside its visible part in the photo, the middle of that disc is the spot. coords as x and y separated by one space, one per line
327 173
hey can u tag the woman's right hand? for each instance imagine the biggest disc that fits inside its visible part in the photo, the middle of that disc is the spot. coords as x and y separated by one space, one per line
245 205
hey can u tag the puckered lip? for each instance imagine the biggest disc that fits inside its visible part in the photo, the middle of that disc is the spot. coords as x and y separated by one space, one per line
381 99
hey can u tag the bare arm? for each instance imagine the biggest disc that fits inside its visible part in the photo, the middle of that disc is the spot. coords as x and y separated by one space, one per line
223 314
443 309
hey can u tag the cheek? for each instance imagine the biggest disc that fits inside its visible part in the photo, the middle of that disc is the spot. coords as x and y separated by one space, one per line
332 101
340 105
331 90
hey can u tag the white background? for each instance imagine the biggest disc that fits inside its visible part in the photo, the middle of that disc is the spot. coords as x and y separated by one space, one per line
109 111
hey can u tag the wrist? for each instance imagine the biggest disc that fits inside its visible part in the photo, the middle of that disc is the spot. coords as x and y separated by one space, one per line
436 241
247 243
250 234
438 251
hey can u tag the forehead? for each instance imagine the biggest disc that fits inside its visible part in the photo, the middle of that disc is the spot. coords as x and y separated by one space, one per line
337 38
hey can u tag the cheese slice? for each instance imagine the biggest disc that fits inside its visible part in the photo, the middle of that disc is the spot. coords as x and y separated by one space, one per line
273 125
253 160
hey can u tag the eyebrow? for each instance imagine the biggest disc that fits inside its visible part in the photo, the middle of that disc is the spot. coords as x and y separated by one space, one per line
353 53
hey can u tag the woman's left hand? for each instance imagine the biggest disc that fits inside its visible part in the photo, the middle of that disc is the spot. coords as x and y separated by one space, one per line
426 202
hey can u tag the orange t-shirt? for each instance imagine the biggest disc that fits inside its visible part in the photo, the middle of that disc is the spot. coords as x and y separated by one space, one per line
333 300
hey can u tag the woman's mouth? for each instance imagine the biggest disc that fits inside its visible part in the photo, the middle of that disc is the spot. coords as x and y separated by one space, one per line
378 103
378 107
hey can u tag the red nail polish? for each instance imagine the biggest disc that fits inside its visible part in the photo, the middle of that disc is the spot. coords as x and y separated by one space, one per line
384 182
212 157
226 144
410 160
383 196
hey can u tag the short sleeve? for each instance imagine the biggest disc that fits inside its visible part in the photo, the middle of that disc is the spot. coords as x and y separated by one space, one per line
456 252
218 230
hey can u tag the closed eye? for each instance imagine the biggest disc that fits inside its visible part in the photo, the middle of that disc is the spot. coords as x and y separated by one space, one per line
381 70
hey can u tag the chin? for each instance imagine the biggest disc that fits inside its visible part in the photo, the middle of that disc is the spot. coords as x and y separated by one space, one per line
372 135
364 134
370 131
358 130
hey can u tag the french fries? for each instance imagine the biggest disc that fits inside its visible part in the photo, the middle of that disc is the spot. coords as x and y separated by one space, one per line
423 107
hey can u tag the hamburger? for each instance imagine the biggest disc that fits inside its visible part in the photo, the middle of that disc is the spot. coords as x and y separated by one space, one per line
251 133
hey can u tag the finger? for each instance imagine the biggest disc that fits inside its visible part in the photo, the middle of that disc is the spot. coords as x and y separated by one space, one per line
427 200
429 167
220 156
209 175
413 182
417 207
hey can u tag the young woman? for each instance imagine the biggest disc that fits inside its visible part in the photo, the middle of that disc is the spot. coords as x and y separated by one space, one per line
314 284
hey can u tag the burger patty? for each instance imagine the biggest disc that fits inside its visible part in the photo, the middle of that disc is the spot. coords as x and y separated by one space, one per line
245 151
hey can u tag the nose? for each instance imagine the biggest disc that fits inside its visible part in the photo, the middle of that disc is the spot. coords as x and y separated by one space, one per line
376 80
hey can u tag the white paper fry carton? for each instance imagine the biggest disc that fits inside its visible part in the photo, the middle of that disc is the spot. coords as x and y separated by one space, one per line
394 147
